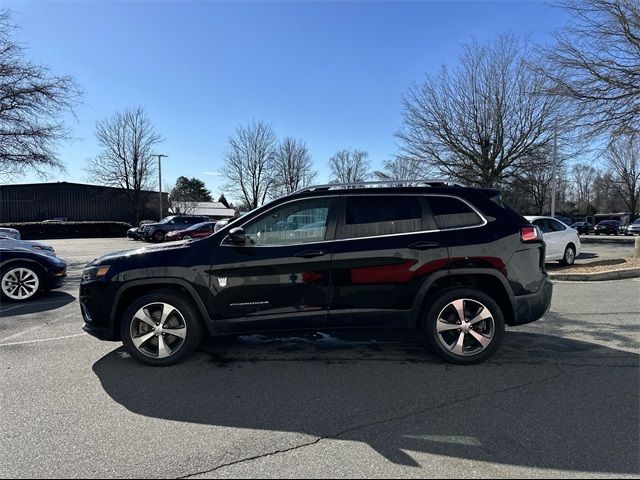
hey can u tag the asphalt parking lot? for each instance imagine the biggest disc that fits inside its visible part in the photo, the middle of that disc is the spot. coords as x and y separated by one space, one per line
560 399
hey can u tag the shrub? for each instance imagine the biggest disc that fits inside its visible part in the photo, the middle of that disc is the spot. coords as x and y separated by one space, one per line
42 230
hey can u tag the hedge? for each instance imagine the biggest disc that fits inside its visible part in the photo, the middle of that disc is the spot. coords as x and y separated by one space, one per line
42 230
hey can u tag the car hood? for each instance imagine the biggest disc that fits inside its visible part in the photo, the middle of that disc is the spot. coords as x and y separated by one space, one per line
141 252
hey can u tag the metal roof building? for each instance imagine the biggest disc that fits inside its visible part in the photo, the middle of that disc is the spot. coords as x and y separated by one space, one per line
36 202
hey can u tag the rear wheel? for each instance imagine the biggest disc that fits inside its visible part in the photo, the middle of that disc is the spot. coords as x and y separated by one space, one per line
158 237
569 256
186 237
464 326
20 282
161 328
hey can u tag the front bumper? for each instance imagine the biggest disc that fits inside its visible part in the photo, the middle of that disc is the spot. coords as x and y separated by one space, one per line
532 307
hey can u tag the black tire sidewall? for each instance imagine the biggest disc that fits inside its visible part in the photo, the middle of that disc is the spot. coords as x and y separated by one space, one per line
191 317
37 271
158 237
448 296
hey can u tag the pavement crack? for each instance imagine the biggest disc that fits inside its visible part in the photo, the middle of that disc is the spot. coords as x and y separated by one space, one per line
560 371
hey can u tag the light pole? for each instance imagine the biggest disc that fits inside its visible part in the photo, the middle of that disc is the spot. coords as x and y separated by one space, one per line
554 184
160 157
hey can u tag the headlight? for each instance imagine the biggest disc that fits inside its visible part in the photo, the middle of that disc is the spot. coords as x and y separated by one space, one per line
44 247
92 273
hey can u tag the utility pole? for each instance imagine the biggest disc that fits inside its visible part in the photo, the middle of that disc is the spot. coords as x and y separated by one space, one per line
160 157
554 182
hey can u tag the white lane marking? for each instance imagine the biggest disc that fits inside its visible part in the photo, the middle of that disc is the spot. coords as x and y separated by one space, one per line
37 327
42 340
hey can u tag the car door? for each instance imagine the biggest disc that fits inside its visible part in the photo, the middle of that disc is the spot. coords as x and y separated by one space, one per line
280 278
561 235
385 244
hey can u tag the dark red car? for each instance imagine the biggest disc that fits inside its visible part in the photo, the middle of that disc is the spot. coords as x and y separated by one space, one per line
199 230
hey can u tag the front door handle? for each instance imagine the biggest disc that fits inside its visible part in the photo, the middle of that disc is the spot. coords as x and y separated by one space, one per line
423 245
310 253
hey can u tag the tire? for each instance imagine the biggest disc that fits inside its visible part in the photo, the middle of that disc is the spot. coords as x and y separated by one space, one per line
442 313
569 256
158 236
20 282
186 237
138 322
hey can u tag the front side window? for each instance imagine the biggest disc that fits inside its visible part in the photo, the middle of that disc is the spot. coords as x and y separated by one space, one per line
370 216
299 222
451 212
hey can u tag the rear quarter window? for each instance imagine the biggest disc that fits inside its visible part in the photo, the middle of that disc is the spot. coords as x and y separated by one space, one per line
451 212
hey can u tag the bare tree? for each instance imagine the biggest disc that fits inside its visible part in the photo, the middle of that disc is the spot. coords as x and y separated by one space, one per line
128 142
400 168
583 176
623 163
596 61
32 100
349 166
483 122
293 168
249 163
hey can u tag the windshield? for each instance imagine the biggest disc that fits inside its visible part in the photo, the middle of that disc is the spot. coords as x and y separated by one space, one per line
201 225
167 219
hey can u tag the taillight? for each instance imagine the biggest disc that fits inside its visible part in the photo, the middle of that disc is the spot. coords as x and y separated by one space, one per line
531 233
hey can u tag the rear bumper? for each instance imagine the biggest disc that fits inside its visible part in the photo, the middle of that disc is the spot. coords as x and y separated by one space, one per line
532 307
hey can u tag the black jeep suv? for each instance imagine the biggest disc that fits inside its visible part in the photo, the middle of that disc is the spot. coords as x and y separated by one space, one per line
450 260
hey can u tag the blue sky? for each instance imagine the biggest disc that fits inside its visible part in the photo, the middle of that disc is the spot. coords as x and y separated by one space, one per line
330 73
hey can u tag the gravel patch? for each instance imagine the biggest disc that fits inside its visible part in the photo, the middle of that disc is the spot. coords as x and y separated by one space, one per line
603 266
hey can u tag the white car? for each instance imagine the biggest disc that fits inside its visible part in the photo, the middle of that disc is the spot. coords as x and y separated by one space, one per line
37 247
9 232
563 242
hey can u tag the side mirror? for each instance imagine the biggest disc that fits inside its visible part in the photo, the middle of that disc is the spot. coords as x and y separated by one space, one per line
237 236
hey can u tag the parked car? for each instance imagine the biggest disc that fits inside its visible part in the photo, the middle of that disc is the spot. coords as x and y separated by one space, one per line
10 233
608 227
563 242
452 261
24 274
583 228
135 233
157 231
199 230
6 242
634 228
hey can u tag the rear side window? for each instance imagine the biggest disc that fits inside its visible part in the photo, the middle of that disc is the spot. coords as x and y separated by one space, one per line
370 216
450 212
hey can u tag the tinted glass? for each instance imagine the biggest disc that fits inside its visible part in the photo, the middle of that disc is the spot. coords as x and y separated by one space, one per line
556 226
450 212
370 216
294 223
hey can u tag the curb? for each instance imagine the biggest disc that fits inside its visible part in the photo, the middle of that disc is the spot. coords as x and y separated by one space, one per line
598 239
599 276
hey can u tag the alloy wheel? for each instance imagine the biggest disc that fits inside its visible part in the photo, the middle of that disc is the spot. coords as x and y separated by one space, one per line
158 330
569 256
20 283
465 327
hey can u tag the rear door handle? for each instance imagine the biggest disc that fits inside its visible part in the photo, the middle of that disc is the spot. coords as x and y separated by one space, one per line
424 245
310 253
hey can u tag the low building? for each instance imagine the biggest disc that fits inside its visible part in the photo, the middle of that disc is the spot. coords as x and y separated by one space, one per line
213 210
36 202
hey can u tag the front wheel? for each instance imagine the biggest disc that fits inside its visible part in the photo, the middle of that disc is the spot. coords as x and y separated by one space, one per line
569 256
20 282
158 237
161 328
464 326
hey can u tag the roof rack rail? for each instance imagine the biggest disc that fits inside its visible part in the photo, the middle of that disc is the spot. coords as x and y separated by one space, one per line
383 183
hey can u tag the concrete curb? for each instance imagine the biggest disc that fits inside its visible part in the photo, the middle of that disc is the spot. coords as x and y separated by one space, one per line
595 277
604 239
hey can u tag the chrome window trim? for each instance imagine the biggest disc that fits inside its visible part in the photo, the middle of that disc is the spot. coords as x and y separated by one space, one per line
344 194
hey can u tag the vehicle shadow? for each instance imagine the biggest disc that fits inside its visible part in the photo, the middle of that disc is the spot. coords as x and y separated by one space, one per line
542 401
42 303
